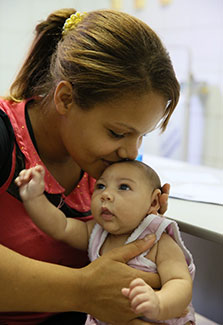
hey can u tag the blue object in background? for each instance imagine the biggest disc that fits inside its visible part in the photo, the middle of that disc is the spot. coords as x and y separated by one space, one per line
139 157
140 153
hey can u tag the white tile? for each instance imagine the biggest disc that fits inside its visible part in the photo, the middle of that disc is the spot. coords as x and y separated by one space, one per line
201 320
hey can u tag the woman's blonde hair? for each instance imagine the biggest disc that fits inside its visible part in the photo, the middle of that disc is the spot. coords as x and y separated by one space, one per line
109 54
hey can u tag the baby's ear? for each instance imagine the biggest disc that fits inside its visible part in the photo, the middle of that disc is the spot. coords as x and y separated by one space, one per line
155 202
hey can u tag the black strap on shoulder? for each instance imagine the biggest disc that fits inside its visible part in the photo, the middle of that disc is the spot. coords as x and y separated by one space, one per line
20 165
7 141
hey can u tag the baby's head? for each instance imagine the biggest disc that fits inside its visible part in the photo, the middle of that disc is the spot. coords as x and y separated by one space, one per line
124 194
150 176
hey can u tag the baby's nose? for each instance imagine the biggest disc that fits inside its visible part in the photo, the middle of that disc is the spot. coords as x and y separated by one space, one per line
106 196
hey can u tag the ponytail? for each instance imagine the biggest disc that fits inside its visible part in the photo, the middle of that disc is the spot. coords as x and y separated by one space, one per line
33 74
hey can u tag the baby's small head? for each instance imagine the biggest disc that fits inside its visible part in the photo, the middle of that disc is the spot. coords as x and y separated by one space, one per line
125 193
149 175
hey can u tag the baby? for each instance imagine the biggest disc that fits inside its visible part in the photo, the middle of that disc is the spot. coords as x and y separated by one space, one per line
124 206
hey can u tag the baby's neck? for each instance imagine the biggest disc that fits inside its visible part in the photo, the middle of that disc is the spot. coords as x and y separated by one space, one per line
113 241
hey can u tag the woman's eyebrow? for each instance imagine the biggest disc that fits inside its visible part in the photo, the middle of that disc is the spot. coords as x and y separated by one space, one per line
130 128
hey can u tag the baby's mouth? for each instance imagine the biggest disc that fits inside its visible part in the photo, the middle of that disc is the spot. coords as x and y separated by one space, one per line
106 214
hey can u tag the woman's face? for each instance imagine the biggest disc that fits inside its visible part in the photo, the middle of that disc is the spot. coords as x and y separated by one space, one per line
109 132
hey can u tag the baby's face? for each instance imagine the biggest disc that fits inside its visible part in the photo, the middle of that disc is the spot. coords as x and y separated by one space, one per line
121 198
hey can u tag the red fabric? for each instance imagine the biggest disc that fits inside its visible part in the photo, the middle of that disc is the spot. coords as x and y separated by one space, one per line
23 318
18 232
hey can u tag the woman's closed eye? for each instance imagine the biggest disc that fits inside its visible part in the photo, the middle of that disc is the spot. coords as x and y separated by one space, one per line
124 187
116 135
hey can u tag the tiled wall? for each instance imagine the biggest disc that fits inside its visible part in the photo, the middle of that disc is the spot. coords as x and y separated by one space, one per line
193 33
18 19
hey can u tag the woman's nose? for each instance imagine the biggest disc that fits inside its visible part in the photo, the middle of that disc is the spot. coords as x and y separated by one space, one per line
129 151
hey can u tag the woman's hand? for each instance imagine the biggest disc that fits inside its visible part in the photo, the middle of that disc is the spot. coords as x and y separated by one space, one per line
103 279
95 289
141 322
164 198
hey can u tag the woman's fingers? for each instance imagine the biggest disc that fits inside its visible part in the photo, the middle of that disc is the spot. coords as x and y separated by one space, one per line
141 322
125 253
164 198
110 274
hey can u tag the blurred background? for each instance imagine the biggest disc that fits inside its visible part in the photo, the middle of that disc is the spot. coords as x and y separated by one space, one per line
192 31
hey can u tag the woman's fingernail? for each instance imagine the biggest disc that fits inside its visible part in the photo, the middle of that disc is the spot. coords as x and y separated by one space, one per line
149 237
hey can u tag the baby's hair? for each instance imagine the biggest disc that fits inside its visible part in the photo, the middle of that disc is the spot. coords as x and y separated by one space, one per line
108 55
150 174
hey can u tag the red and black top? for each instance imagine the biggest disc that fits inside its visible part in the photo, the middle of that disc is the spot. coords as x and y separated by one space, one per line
17 231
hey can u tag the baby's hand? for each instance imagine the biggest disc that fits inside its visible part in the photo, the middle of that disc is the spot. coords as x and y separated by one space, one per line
143 299
31 182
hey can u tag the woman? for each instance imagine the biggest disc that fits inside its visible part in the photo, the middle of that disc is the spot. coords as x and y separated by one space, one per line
92 85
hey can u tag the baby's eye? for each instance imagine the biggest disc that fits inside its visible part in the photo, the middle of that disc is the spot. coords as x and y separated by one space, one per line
124 187
99 186
116 135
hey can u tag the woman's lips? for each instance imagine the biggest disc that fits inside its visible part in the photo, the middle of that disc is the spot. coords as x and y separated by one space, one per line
109 162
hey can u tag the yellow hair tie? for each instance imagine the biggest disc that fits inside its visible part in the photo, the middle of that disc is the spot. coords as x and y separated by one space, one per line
72 22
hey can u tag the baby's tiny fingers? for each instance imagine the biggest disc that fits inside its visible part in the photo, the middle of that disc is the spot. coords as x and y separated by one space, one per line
22 173
125 291
137 301
143 307
26 174
137 282
18 181
40 169
137 290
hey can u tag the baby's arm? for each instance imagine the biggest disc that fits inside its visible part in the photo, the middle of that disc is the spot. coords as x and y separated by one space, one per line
176 292
45 215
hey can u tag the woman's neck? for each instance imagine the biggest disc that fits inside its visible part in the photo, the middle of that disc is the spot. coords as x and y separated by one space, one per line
50 147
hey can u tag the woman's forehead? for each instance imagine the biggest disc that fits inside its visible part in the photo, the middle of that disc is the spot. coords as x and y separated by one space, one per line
134 113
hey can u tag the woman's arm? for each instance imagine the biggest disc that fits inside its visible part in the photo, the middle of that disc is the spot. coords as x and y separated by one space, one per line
35 286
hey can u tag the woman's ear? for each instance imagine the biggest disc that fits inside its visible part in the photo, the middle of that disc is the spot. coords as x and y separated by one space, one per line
155 202
63 97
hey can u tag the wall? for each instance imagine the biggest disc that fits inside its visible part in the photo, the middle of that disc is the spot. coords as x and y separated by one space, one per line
208 284
17 22
193 33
